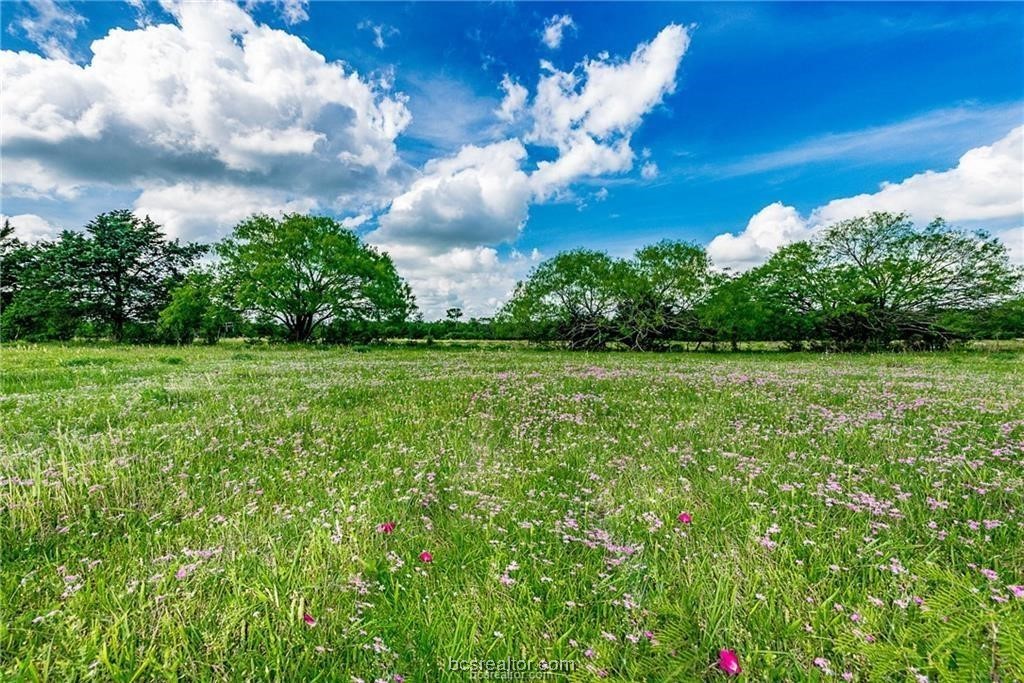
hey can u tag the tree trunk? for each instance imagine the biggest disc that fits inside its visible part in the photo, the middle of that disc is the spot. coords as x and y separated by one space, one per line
301 328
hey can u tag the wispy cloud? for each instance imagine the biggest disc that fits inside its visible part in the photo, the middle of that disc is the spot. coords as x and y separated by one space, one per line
925 136
51 25
447 114
380 32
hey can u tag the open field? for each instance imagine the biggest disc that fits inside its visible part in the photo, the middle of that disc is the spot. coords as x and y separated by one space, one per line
174 513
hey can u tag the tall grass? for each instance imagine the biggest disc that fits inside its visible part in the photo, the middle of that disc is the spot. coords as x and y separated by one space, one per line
171 514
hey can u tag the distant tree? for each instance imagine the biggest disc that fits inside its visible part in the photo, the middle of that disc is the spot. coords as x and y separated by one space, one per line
453 314
892 281
44 288
118 272
869 281
304 271
127 268
196 309
659 293
572 297
793 294
14 256
732 311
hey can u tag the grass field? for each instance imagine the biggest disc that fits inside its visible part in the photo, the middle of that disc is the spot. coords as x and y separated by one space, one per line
215 513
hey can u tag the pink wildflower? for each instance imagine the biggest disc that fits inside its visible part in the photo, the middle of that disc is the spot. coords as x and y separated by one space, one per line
729 662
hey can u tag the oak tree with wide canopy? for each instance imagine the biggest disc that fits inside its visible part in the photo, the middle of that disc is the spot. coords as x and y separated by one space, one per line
304 271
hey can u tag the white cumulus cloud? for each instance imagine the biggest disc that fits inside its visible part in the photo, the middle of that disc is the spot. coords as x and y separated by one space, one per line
28 227
514 100
554 30
590 113
774 226
986 184
190 210
478 196
213 99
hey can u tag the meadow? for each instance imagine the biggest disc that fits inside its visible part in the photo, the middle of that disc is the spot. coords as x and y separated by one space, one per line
287 513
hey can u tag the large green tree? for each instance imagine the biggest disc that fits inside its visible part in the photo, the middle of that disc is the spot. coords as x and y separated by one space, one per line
572 297
304 271
872 280
128 267
662 286
197 308
118 271
587 299
42 294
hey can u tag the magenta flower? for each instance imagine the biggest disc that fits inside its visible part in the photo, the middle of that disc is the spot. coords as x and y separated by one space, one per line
308 618
1018 591
685 518
385 527
729 662
426 557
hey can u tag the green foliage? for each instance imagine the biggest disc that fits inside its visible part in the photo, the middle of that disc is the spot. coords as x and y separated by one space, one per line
732 312
197 309
572 297
865 283
874 282
587 299
128 268
304 271
42 297
870 281
661 288
115 275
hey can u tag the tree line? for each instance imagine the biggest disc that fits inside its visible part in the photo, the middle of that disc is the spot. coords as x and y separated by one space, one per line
868 283
872 282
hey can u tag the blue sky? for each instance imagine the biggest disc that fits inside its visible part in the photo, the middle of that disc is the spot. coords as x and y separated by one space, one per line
759 120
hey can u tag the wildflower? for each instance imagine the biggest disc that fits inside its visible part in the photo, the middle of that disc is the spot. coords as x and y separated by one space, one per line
1018 591
426 557
308 619
385 527
185 570
729 662
685 518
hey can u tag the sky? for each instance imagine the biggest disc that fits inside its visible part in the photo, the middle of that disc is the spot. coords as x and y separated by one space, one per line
472 141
